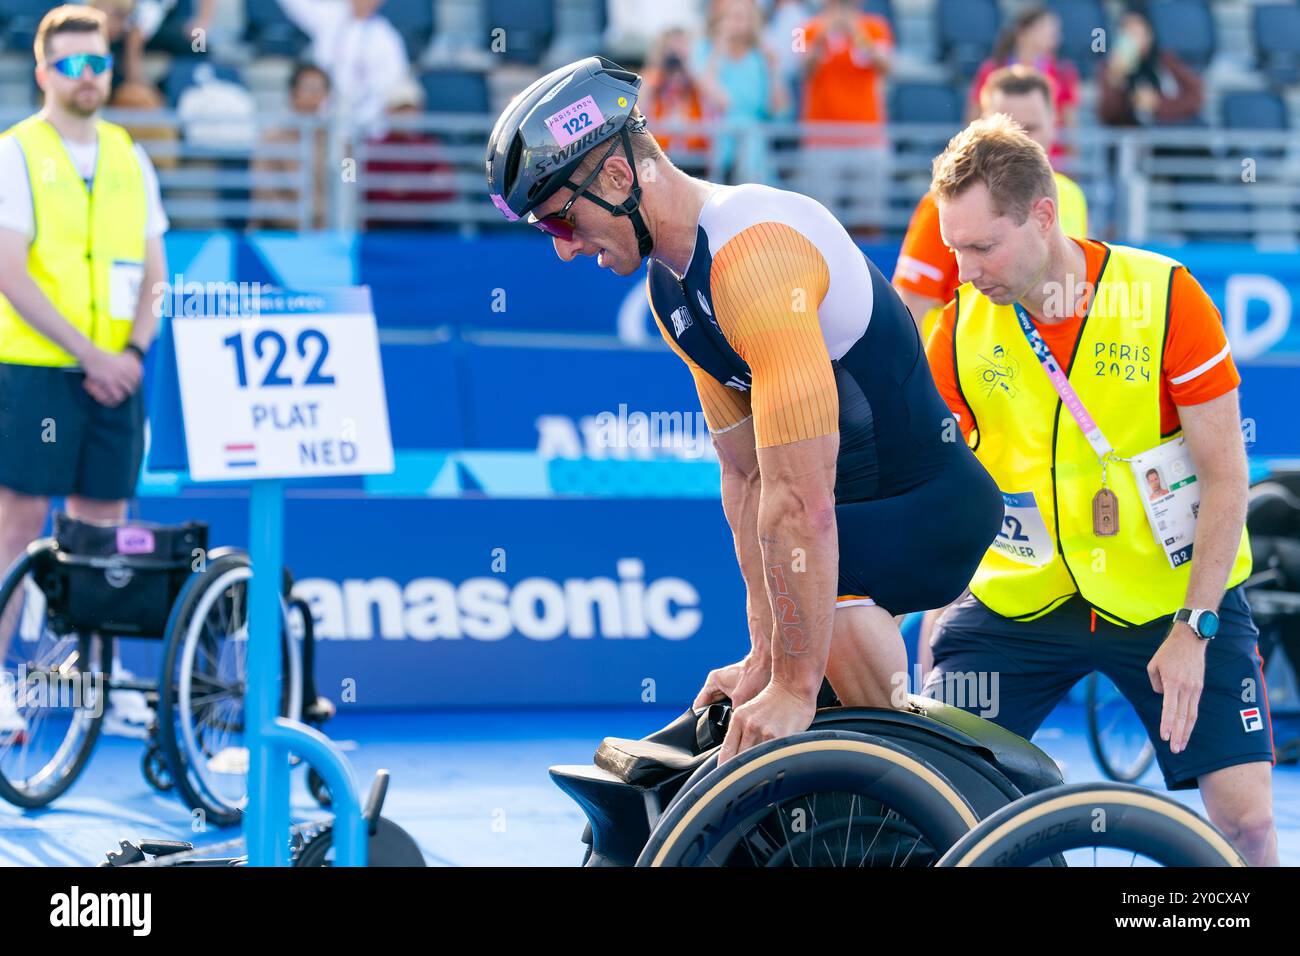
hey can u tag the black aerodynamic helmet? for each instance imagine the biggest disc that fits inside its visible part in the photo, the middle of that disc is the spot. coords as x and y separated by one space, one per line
549 128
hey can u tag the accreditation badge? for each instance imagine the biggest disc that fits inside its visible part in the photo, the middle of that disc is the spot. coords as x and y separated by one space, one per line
124 280
1171 495
1024 538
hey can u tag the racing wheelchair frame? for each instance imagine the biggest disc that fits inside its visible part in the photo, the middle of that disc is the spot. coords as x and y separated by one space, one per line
926 785
91 584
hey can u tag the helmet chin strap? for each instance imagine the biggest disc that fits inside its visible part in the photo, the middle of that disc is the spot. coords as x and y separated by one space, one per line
631 206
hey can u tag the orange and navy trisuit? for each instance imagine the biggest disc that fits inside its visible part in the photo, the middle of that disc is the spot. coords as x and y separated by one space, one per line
782 319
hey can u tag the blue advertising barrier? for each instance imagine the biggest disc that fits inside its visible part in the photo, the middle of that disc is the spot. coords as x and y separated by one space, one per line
428 602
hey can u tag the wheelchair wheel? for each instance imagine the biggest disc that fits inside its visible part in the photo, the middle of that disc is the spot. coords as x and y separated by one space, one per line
1118 739
820 798
1095 824
56 684
204 677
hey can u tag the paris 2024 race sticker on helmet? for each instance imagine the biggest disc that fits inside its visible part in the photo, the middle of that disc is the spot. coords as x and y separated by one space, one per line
574 120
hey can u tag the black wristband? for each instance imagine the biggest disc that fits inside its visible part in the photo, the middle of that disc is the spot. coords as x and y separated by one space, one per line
139 352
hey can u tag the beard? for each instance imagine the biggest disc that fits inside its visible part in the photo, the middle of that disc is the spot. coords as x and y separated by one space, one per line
84 101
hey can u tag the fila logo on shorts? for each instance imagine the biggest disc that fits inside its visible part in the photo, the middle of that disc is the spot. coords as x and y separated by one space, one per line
1251 719
681 320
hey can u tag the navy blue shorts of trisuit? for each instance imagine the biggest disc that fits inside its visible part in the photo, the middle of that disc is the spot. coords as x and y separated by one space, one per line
56 440
1037 662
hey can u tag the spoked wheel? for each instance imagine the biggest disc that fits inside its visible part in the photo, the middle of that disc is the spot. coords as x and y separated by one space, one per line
821 798
1095 824
201 699
52 690
1116 735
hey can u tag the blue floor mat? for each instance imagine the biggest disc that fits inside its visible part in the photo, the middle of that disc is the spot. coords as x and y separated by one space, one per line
471 787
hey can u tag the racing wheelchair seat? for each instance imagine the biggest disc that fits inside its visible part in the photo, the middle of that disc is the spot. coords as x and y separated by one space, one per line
631 784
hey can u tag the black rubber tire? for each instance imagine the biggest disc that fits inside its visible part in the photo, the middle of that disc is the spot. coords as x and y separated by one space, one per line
1104 760
716 812
172 744
36 552
318 788
388 846
153 764
1063 818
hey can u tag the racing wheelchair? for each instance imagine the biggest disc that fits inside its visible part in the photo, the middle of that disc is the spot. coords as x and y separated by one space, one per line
90 585
922 786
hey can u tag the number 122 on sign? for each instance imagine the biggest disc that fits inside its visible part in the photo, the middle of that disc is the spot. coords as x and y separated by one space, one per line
270 347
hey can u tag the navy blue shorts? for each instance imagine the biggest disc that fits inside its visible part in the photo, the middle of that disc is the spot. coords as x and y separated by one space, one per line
1024 668
56 440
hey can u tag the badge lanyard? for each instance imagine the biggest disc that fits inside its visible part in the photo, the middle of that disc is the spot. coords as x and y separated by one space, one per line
1105 506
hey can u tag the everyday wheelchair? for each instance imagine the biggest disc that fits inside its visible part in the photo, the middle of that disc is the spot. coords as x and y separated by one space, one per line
929 785
90 585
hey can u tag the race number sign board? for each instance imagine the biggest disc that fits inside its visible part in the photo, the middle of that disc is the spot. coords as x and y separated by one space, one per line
295 390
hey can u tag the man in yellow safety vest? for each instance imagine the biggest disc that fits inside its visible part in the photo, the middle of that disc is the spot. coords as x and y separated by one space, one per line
1074 369
81 245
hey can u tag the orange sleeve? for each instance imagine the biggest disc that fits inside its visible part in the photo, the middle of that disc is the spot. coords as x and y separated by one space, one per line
723 407
939 353
879 30
1198 365
925 265
768 281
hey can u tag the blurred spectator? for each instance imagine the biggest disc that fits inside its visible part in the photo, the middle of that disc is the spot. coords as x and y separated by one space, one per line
786 17
309 90
141 96
125 41
176 26
1143 85
848 54
739 79
1033 39
669 93
408 153
634 25
361 51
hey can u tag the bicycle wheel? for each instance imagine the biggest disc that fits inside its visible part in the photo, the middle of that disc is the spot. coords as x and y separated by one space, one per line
820 798
56 684
1108 824
1118 739
204 678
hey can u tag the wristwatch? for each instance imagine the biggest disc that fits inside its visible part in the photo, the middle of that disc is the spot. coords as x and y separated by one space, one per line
1201 620
132 347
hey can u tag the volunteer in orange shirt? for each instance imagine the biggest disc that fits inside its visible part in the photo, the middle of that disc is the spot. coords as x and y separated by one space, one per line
926 273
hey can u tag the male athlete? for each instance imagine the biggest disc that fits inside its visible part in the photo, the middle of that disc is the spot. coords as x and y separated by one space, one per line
850 494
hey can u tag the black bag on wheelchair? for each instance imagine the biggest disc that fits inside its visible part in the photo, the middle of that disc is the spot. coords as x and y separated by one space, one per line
118 580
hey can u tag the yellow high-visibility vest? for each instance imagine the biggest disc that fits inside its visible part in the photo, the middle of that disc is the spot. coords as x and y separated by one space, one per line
1031 444
88 252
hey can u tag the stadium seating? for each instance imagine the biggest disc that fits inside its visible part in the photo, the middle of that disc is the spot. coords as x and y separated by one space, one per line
528 24
270 32
455 91
414 21
925 103
1079 18
966 31
18 22
1277 41
1187 28
1253 109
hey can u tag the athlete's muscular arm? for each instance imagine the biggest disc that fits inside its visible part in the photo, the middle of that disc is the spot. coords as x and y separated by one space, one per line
768 282
741 488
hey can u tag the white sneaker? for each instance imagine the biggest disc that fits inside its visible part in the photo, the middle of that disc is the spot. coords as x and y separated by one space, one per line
11 721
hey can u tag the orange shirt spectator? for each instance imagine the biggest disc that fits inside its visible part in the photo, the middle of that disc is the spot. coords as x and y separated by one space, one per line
1197 365
848 55
670 91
